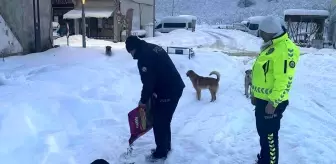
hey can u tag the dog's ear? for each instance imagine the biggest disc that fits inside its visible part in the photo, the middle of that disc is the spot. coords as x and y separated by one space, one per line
246 71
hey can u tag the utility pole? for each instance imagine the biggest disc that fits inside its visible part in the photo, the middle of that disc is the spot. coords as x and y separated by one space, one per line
83 24
37 27
173 7
154 18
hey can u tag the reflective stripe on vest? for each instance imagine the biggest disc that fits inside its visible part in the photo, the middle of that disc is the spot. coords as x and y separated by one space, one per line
261 90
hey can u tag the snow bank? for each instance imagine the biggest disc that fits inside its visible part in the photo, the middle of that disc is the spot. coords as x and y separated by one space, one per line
306 12
76 41
183 38
8 42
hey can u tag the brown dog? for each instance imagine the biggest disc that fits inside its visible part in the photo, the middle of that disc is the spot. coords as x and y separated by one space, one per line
248 82
200 83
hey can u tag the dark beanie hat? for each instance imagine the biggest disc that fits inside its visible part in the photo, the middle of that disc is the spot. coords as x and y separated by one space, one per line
132 42
99 161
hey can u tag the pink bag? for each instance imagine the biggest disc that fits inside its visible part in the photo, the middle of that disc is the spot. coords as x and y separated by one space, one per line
140 122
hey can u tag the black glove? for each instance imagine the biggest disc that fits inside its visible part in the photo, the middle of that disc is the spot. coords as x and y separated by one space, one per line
141 105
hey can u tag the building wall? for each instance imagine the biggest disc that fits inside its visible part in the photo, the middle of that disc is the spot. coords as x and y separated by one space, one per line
147 15
127 4
142 13
19 16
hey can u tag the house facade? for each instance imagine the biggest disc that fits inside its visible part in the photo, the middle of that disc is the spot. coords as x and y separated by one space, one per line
103 20
20 18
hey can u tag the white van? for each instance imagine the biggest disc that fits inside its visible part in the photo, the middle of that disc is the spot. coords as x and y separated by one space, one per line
252 24
170 23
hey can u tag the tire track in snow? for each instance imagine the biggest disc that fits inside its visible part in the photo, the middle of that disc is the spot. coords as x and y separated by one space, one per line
220 36
231 50
219 42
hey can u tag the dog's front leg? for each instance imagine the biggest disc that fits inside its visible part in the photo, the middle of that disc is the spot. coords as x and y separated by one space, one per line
250 86
198 94
246 89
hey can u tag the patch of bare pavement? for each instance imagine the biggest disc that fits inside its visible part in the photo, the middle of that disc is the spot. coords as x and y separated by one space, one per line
250 54
230 50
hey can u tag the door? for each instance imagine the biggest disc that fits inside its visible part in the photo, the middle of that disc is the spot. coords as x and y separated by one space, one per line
93 27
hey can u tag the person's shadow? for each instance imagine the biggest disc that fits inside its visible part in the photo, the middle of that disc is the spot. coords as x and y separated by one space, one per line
100 161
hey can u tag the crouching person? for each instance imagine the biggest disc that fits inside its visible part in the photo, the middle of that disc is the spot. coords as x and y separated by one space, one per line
160 78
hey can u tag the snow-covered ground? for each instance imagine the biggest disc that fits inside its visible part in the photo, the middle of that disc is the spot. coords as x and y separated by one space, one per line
181 37
8 43
69 106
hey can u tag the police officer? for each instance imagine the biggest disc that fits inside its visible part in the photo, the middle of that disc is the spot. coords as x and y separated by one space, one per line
272 78
159 77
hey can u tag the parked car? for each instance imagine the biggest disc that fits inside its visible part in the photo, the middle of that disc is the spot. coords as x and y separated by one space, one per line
252 24
240 26
170 23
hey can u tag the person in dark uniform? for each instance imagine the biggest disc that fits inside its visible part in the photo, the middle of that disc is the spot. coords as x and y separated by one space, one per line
160 78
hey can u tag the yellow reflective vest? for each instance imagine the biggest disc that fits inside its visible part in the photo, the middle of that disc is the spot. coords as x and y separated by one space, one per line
274 69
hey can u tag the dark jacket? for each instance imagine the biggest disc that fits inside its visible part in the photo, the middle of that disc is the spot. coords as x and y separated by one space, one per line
158 72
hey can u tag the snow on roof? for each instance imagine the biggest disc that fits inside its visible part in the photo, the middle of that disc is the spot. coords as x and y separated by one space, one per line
188 16
244 21
306 12
89 13
178 19
255 19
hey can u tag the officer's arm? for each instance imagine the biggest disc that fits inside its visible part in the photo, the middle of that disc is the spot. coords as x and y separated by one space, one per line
284 68
148 80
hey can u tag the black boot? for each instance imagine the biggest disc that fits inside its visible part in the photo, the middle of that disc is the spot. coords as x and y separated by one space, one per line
155 156
153 150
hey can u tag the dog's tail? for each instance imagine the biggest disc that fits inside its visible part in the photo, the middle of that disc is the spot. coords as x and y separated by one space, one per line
215 73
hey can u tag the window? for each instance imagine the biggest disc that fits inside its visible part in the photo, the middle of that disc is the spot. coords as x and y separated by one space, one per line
100 23
55 18
174 25
158 26
253 26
